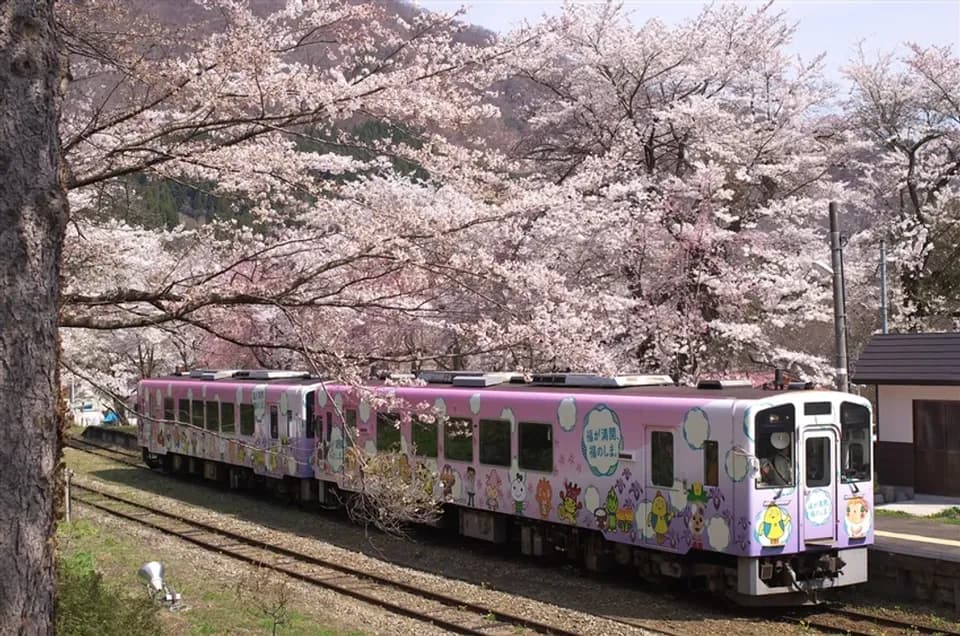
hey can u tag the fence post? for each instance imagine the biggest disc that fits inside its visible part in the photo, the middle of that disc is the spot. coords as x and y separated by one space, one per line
67 474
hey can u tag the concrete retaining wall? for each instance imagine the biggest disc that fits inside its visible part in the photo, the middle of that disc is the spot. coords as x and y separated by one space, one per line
907 577
102 435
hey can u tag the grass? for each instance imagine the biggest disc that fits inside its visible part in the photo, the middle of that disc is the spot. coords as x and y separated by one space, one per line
950 515
214 606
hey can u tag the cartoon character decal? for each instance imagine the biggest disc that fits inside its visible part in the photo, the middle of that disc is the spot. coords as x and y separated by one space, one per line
518 492
773 526
624 517
492 490
569 502
609 512
425 477
697 500
659 517
447 479
470 484
856 519
544 497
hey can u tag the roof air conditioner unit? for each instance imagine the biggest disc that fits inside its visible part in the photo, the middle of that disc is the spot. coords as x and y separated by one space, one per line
724 384
487 379
439 376
212 374
601 381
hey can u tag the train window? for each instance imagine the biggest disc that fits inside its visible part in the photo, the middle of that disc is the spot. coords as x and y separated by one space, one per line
536 446
168 410
458 439
196 413
227 417
818 461
775 429
817 408
184 411
248 425
329 425
213 416
425 438
711 463
274 421
661 458
388 433
309 423
855 442
495 442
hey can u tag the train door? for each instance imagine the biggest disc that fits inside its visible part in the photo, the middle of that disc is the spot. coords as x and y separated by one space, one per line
819 485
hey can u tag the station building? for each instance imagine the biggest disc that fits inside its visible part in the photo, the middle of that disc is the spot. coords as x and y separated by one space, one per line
917 381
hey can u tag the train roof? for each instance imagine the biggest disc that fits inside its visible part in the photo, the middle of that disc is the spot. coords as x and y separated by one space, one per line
709 390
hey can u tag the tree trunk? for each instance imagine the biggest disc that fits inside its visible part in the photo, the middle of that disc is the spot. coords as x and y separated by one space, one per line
33 212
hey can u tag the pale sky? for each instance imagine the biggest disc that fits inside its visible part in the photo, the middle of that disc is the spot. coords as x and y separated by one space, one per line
831 26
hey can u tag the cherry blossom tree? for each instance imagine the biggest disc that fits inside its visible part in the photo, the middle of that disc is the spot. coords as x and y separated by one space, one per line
702 158
905 115
335 235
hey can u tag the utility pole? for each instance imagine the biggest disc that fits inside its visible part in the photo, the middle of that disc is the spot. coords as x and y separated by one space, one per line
839 310
883 283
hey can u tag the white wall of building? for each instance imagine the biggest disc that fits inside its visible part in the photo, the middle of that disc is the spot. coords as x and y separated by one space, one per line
895 408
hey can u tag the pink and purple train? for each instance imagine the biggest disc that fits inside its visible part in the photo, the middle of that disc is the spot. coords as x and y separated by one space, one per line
765 496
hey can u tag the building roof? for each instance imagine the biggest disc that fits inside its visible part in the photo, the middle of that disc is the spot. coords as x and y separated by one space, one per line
910 358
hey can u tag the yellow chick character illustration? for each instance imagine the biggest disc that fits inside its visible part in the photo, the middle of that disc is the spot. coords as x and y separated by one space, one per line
774 528
659 517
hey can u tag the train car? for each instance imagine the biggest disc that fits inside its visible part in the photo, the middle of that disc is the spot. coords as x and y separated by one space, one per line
765 496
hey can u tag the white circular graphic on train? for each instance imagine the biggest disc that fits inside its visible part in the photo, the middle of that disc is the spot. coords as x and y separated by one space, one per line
475 403
591 498
335 450
567 413
736 465
718 533
602 441
440 407
773 526
322 397
818 507
364 410
696 428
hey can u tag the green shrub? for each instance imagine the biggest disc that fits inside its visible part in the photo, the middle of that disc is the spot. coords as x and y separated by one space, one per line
86 606
951 514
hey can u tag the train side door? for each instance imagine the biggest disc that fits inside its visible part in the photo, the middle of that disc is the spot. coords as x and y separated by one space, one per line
819 485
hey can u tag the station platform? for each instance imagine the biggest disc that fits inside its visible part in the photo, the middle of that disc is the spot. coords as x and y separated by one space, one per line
917 536
916 557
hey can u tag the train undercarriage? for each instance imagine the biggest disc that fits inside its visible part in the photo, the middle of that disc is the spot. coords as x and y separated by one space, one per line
788 580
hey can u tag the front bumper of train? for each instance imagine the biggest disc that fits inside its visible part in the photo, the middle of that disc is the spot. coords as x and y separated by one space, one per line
792 577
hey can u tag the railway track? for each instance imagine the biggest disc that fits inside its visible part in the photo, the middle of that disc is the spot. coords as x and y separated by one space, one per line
844 620
829 619
454 615
124 457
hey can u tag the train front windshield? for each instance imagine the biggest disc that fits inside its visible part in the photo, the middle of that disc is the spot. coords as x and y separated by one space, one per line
776 430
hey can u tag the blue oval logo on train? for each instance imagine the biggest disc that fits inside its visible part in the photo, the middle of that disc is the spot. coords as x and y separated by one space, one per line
818 507
602 440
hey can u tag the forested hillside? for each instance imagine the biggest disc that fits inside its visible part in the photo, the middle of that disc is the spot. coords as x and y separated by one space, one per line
371 185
